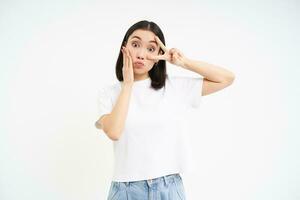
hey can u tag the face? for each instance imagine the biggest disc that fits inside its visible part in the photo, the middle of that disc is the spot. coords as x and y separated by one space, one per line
140 44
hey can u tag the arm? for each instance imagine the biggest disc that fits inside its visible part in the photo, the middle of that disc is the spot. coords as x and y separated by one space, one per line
113 123
215 77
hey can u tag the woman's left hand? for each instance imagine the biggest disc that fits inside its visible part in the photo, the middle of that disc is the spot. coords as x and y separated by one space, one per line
174 56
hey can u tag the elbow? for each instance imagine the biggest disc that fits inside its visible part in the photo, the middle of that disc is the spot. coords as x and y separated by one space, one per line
230 79
97 125
110 134
114 138
113 135
112 130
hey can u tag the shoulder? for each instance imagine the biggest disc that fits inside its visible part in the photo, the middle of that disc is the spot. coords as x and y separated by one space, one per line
108 89
174 78
182 79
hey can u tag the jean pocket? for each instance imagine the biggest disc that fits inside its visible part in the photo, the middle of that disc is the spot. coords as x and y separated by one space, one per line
113 191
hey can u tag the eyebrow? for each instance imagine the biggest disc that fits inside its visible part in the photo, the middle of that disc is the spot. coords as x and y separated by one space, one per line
152 41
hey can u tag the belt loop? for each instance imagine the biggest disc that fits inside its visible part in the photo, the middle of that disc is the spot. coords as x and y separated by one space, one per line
149 181
165 180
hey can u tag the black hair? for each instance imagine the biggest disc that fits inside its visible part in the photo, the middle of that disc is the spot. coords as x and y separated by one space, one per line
158 72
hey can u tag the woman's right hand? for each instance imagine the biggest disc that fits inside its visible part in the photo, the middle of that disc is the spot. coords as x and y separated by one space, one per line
127 70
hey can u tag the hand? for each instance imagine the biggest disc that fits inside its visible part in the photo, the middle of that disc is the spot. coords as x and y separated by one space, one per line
127 70
174 56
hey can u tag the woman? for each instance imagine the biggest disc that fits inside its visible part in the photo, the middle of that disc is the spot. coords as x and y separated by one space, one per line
143 114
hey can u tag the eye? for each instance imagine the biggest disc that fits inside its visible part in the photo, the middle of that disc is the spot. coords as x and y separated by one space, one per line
134 44
153 49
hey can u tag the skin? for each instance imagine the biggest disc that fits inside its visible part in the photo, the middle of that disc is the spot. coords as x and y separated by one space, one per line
143 50
139 49
215 77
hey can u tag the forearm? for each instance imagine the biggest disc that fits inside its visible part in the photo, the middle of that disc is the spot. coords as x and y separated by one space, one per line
114 123
209 71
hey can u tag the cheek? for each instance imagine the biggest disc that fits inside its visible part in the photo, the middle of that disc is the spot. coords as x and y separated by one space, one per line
132 51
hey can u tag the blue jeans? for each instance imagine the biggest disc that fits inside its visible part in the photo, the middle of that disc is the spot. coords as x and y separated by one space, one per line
168 187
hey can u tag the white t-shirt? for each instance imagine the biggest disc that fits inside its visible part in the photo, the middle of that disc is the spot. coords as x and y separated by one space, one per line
154 142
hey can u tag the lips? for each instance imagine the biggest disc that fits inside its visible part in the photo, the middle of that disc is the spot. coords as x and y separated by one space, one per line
138 63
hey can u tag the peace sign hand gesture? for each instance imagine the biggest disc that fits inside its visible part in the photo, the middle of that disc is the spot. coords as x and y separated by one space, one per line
174 56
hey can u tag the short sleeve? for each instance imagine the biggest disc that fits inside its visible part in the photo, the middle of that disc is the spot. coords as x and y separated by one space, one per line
104 101
189 89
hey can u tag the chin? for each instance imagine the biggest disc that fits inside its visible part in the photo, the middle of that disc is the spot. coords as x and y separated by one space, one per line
140 71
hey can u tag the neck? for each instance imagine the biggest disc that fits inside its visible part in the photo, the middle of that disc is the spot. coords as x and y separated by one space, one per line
137 78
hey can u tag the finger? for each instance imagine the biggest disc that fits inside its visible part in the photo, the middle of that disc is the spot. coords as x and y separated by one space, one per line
161 44
174 53
178 52
176 56
172 57
129 54
174 50
124 56
130 59
159 57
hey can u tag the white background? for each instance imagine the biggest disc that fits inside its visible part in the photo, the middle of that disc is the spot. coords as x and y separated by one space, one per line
55 55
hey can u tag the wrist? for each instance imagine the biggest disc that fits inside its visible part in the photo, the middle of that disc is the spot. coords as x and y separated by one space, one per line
186 63
126 85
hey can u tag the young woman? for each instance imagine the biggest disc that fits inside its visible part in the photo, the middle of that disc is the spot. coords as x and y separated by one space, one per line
143 112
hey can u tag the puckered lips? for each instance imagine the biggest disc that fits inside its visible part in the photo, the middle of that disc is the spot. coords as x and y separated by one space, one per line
138 64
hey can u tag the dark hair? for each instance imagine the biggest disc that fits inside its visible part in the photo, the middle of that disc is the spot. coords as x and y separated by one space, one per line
158 72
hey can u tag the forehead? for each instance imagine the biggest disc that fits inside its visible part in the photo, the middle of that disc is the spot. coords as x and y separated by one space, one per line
143 35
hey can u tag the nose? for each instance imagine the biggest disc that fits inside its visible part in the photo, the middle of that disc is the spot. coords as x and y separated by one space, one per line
141 54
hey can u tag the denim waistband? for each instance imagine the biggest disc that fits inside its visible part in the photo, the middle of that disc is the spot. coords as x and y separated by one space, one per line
155 181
